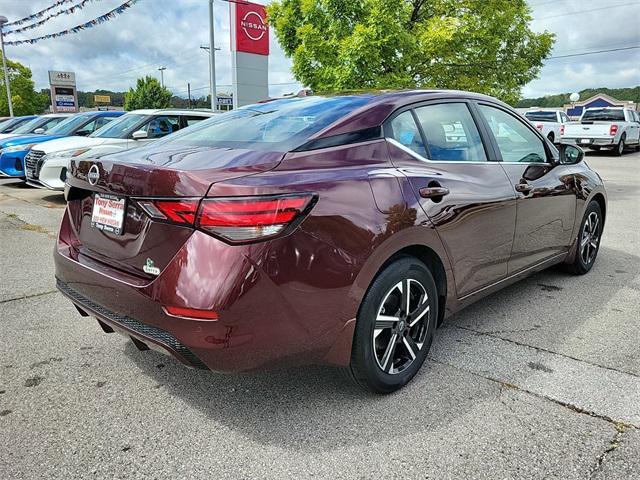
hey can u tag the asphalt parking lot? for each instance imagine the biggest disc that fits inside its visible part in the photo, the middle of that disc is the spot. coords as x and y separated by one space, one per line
541 380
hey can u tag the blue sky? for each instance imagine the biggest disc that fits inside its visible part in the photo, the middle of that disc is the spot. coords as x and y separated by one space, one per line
168 33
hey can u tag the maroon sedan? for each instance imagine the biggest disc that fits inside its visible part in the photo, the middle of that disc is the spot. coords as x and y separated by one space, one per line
336 230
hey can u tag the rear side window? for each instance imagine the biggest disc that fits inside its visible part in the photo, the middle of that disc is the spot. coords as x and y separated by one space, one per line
193 120
404 130
517 143
451 133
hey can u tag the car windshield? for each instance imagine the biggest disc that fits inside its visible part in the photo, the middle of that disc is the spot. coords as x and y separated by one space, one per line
69 125
6 123
31 125
541 116
604 114
280 125
121 127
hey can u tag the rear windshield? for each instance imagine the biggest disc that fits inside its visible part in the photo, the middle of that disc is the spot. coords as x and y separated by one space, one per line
604 114
280 125
541 116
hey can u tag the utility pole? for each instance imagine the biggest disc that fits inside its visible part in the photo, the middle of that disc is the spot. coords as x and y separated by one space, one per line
208 50
4 20
212 58
189 93
162 69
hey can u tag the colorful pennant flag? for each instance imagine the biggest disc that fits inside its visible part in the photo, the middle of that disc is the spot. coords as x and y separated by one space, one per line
38 14
68 11
96 21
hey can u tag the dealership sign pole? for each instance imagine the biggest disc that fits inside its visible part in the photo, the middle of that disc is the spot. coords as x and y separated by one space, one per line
64 97
249 53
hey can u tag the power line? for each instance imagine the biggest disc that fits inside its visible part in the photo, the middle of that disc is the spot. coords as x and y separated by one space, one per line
594 52
576 12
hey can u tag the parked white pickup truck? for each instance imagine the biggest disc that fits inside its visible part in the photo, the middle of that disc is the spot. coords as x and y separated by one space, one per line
548 122
615 128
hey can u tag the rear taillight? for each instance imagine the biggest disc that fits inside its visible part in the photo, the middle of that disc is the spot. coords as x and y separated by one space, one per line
561 130
613 129
247 219
175 210
235 219
539 126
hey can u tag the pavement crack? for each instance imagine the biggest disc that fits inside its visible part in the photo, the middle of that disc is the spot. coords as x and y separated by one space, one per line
570 406
31 295
540 349
612 446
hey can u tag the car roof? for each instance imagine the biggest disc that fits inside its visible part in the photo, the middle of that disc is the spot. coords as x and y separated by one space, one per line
179 111
383 103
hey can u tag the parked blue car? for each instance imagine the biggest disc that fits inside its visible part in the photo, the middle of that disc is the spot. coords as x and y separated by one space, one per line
8 125
14 149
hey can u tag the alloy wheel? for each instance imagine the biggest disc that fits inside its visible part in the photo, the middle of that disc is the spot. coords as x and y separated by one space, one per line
401 326
590 238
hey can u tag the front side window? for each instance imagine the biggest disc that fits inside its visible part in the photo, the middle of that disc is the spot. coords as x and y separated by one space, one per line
516 142
160 126
403 129
451 133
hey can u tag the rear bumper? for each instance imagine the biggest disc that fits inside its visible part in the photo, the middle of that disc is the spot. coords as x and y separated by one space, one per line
588 142
262 321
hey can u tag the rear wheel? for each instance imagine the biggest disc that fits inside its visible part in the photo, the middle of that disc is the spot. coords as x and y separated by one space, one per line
395 327
619 150
588 239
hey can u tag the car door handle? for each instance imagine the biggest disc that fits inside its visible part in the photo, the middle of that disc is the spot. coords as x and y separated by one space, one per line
523 187
433 192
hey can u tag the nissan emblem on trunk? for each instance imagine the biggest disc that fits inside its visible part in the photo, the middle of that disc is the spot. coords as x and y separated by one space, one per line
94 175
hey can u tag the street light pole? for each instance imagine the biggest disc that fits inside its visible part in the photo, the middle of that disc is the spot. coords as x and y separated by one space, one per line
162 69
4 20
212 59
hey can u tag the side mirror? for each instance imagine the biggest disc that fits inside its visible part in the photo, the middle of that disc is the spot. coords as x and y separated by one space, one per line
139 135
39 130
570 154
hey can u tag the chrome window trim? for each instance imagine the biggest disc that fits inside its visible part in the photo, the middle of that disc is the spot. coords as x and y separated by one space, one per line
417 156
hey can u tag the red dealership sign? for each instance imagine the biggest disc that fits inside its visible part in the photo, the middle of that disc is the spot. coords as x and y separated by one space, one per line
252 31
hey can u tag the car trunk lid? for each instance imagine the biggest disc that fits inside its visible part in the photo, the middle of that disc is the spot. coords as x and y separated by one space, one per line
145 246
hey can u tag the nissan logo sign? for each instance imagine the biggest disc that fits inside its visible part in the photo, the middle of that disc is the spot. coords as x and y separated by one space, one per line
94 175
254 26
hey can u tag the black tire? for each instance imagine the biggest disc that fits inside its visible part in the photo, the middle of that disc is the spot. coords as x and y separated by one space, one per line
551 137
619 149
595 148
372 345
582 263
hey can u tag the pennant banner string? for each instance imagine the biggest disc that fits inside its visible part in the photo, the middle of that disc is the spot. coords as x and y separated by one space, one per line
96 21
68 11
39 14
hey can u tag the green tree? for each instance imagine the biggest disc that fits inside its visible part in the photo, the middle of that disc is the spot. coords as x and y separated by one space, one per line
26 101
148 94
480 45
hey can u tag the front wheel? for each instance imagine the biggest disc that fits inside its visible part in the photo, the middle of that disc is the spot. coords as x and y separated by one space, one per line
395 327
588 239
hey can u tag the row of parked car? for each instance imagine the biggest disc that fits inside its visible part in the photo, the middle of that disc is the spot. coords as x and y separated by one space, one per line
38 148
615 128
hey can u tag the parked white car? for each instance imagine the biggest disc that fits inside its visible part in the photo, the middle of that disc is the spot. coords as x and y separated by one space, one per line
548 122
46 164
615 128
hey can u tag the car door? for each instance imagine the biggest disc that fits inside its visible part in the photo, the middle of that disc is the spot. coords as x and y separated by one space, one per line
634 126
546 194
469 199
